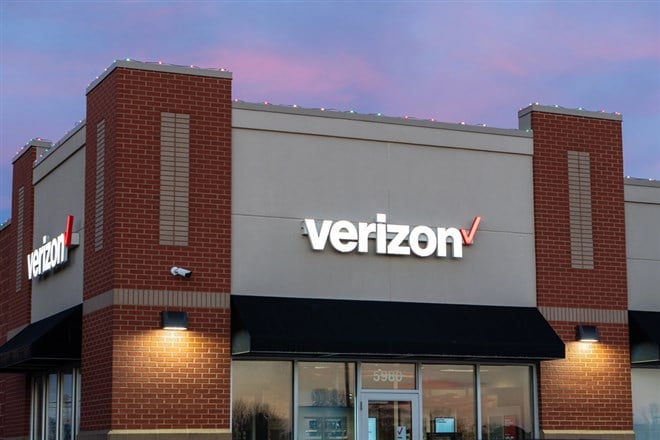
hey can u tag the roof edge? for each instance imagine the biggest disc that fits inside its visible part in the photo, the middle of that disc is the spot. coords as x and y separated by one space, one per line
378 118
536 107
158 67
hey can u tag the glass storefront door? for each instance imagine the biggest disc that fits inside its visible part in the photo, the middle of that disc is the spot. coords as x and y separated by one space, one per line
389 416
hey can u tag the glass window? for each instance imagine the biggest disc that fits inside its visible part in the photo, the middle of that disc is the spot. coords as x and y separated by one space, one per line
448 400
386 376
55 406
66 407
646 403
51 411
391 419
326 400
263 396
506 402
38 407
262 400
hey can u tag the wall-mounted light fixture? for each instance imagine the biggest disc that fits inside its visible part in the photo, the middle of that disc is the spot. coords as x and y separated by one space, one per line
587 333
174 320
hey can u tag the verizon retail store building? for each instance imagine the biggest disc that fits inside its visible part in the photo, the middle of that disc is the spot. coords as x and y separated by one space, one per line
337 276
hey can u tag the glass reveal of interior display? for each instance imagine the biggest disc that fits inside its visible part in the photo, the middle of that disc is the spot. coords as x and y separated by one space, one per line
445 424
448 398
386 376
393 419
326 400
506 403
371 428
261 400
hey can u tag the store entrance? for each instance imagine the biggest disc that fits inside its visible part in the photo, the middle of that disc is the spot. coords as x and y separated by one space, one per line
389 416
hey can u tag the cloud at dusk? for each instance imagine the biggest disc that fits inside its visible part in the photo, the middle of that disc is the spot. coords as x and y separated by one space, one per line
293 75
476 62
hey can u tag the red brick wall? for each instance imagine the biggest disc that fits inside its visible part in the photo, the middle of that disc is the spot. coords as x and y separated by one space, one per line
590 389
604 287
7 272
96 371
136 376
19 303
14 403
15 306
101 105
147 378
7 269
15 409
131 102
176 379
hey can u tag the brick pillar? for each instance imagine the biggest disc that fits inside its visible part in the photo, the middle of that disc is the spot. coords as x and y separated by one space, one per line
7 271
581 270
151 206
19 287
16 241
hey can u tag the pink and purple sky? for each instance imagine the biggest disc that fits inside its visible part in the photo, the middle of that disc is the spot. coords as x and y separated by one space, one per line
472 62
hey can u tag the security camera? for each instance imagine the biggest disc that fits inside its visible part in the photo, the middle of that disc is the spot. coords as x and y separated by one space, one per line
181 272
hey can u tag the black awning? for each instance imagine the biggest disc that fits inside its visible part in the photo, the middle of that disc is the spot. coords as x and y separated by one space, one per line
269 326
644 338
51 342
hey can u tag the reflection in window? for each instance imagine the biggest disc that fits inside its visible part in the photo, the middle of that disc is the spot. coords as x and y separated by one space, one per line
51 412
448 400
506 404
326 396
261 400
66 406
55 406
390 419
646 403
37 406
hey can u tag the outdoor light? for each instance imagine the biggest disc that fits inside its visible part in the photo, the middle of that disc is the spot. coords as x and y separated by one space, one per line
174 320
586 333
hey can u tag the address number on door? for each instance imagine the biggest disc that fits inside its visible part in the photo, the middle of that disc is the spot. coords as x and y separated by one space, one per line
388 375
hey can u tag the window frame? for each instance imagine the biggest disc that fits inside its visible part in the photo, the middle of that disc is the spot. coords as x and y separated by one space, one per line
359 390
39 386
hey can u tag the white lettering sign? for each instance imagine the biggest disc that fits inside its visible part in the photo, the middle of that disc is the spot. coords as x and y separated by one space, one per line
52 253
387 375
391 239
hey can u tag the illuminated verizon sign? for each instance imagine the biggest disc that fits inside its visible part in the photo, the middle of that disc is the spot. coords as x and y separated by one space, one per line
52 253
391 239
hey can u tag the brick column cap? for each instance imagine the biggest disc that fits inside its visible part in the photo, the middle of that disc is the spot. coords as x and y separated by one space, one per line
35 142
569 112
158 67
